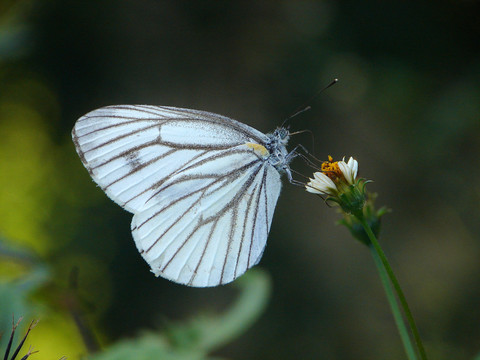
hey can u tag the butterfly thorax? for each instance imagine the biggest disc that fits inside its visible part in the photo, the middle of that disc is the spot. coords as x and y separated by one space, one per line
276 146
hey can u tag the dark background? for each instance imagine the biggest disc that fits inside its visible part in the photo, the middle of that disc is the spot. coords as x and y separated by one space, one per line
406 107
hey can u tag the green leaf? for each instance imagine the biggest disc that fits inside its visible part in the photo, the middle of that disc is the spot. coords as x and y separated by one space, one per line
201 335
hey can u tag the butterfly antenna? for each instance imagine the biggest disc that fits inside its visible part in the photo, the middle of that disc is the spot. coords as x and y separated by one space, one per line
304 106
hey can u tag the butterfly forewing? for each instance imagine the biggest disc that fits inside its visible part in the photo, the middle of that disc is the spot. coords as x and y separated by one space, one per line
202 197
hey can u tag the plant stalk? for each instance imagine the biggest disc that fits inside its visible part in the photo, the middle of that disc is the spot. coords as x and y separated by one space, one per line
397 315
403 301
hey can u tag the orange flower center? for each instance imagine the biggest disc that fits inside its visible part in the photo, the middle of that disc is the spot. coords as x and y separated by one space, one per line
331 169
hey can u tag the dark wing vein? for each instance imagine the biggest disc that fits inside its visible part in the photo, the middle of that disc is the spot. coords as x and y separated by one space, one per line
217 179
125 153
255 218
163 180
114 140
136 169
192 177
195 272
249 204
232 204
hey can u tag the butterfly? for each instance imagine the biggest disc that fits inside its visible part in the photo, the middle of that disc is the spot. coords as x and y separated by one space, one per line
202 187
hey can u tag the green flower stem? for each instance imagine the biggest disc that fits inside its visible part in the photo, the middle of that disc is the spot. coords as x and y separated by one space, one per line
393 305
396 285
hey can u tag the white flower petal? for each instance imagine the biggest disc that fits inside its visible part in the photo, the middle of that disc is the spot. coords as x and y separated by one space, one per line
310 188
321 184
324 179
353 164
346 171
349 170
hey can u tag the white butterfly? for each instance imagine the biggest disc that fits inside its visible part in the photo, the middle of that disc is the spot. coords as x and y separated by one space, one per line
202 187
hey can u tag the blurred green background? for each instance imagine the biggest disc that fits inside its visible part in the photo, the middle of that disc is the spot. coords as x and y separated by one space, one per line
407 107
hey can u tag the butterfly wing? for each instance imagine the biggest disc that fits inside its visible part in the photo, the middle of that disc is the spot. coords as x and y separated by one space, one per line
130 150
209 233
203 200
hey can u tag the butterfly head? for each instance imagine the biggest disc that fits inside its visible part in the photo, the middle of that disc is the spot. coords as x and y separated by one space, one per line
280 135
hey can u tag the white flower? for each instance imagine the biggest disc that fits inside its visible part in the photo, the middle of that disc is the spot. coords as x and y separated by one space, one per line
333 177
321 184
349 170
338 181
